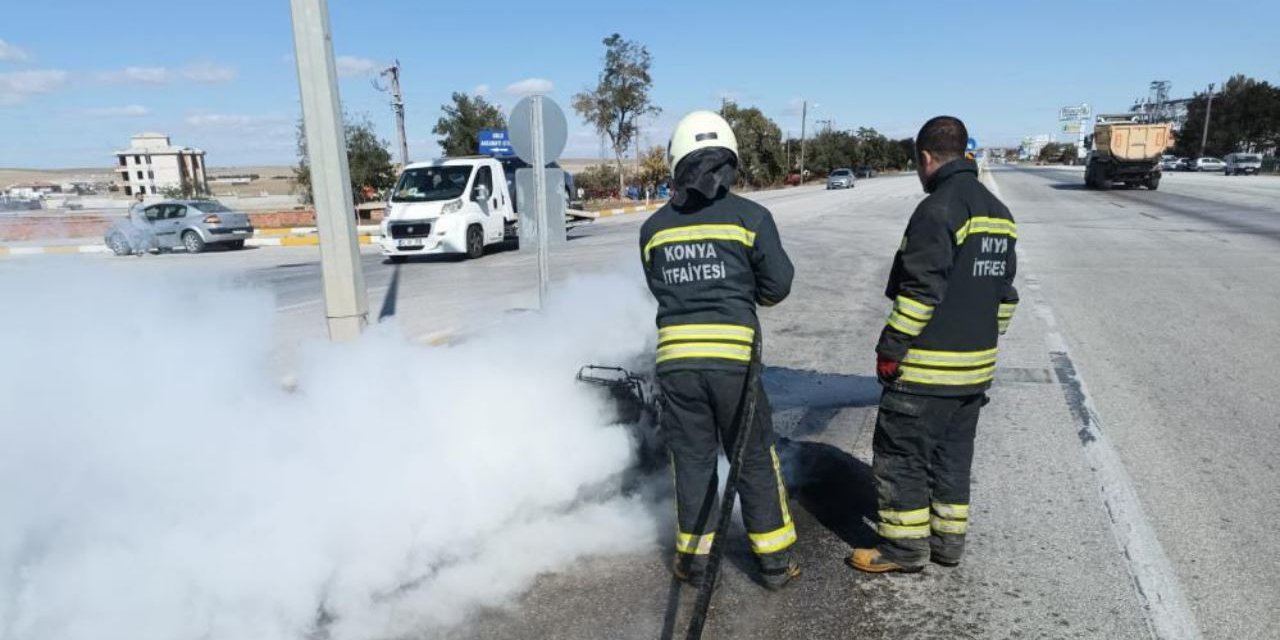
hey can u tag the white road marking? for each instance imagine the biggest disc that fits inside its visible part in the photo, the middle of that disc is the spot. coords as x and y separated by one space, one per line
1168 614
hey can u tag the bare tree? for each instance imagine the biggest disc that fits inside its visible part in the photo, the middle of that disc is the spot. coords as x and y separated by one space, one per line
620 98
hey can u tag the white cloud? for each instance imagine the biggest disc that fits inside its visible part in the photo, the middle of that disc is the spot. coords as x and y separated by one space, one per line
481 90
128 111
136 75
17 86
11 53
231 121
530 86
349 66
208 72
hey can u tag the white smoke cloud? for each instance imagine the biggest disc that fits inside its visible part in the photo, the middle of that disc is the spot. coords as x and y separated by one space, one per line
530 86
156 482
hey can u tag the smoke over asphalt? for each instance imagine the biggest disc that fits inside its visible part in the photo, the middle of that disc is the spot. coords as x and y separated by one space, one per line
156 482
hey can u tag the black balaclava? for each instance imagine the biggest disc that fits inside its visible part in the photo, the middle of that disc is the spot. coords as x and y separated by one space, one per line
702 177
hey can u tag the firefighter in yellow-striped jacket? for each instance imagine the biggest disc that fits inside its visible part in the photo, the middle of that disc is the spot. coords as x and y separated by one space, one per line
952 290
710 257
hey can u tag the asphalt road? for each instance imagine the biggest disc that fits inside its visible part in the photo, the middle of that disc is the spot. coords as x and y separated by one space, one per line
1165 302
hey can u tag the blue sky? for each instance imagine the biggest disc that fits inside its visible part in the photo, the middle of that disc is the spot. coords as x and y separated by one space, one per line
78 77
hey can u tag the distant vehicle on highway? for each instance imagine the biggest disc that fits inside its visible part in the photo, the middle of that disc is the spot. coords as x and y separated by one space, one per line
1209 164
840 179
1125 151
451 205
1168 163
1242 164
190 224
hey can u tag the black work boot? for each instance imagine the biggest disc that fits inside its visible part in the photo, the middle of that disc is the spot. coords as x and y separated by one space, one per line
689 568
946 549
777 570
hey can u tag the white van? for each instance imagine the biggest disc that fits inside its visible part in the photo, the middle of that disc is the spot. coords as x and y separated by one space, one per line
1242 163
452 205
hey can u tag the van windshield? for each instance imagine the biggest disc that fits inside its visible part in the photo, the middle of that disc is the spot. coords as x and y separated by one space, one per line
431 184
1247 158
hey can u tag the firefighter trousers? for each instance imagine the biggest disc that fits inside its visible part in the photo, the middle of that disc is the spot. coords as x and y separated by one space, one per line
700 418
922 454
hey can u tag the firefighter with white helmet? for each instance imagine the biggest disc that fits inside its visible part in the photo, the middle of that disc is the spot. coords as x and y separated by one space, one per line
710 257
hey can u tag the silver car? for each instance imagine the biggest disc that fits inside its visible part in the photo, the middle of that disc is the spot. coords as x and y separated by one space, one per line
190 224
840 179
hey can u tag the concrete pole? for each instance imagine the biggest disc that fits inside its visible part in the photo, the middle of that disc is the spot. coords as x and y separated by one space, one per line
397 106
1208 111
345 299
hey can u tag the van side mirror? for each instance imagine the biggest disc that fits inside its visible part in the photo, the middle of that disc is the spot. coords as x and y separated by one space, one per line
480 193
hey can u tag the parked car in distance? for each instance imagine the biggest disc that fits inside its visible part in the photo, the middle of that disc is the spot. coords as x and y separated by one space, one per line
1209 164
865 172
1242 164
840 179
190 224
1184 164
1168 163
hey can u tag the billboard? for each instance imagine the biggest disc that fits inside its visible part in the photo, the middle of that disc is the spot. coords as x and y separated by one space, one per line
1072 128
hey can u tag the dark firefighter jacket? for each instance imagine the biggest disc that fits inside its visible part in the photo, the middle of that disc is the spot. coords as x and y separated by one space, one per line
951 287
709 264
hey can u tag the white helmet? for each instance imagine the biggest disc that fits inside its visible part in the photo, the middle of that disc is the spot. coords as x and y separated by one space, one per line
699 130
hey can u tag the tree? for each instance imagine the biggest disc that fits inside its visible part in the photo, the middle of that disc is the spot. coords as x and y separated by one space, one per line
1245 117
598 181
621 96
462 121
368 160
653 167
761 158
188 190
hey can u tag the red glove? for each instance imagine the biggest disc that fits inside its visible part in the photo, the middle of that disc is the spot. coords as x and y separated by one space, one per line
887 370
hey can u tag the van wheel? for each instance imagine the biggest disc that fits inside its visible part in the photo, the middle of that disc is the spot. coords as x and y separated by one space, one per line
475 242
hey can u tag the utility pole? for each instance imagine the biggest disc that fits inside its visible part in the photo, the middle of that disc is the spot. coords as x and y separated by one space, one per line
345 299
1208 111
804 114
397 106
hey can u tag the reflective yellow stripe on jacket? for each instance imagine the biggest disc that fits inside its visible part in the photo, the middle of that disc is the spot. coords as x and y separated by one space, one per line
948 368
696 232
1005 315
910 316
722 341
990 226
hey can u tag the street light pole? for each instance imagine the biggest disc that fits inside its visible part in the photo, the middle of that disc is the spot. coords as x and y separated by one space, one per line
1208 111
345 299
804 115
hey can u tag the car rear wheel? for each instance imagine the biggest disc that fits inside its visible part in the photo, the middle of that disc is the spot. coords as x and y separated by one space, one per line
192 242
475 242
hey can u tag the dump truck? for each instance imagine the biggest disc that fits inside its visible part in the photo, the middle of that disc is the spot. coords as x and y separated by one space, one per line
1125 149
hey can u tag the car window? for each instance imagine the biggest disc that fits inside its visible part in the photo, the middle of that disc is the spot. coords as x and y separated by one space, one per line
154 212
484 178
175 211
211 206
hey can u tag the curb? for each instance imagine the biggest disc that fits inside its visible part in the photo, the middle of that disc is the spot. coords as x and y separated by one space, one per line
54 250
622 211
296 237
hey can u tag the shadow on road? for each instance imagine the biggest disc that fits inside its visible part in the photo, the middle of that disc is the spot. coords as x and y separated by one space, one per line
820 396
836 488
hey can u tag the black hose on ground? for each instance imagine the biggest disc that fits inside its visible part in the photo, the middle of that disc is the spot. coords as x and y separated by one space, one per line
747 412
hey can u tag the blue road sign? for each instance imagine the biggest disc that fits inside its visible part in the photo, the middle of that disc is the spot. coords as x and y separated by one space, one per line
972 145
495 142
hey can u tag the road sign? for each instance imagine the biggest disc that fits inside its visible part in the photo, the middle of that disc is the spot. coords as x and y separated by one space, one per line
495 142
972 145
554 135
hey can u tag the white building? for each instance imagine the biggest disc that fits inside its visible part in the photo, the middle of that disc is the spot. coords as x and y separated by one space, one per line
151 164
